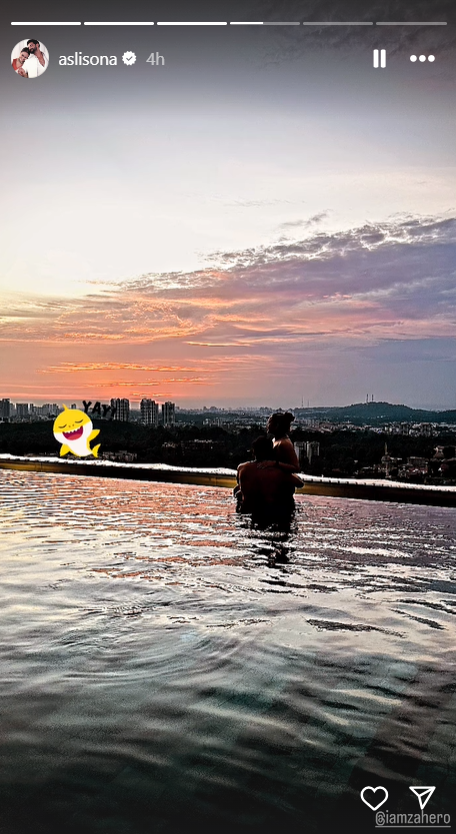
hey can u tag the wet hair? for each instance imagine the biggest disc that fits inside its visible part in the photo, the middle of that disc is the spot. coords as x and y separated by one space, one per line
279 424
37 43
262 448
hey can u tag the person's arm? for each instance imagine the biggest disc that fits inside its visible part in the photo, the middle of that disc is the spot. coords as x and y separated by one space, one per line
266 464
237 488
287 467
297 482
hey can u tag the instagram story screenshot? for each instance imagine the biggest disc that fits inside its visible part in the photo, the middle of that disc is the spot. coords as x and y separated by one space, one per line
228 417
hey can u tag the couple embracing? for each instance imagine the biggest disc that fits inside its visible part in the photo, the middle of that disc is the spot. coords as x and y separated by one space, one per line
32 60
266 485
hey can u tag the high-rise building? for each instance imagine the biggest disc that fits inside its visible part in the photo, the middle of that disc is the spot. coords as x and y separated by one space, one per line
22 411
149 412
5 409
306 450
169 414
312 449
121 409
50 409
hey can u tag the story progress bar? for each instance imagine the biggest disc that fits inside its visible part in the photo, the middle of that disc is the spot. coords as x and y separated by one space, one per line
230 23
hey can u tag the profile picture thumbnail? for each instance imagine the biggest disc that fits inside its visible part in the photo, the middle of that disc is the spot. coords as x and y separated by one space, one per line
30 58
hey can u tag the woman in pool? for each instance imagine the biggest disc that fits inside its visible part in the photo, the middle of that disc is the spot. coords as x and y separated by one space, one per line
279 426
18 63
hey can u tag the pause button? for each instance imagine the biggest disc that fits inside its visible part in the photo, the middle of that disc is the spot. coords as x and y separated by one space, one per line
382 58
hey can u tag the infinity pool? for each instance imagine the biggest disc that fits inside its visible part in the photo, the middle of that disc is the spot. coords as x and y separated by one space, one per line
167 667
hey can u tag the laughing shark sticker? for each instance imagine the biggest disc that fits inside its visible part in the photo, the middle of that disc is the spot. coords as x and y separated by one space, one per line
74 430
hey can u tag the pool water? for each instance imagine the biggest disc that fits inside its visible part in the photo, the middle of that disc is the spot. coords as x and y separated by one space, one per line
167 666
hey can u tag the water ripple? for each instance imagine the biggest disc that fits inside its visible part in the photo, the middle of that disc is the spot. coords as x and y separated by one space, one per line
162 656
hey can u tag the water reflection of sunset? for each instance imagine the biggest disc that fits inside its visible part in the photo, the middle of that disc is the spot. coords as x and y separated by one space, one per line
151 628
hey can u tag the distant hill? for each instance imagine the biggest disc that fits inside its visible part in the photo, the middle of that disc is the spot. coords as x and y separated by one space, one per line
376 413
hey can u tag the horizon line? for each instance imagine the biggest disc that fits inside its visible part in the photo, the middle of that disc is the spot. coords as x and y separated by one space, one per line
228 408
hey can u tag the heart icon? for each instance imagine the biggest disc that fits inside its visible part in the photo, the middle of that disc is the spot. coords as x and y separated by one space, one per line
374 790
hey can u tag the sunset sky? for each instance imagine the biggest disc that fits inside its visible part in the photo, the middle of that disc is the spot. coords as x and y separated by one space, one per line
265 220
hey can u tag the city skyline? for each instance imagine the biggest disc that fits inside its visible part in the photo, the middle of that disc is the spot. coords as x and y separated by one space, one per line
135 405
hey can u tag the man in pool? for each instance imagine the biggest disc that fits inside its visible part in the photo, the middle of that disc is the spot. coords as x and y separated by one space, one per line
263 487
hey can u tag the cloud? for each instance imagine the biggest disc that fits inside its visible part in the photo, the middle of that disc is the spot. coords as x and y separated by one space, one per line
305 224
378 280
73 367
255 315
150 383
